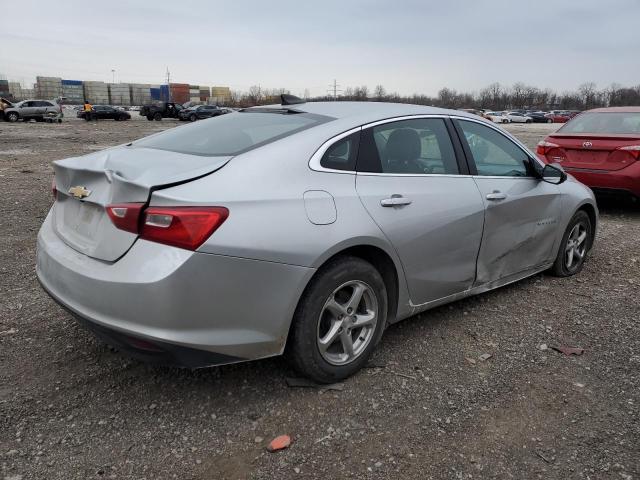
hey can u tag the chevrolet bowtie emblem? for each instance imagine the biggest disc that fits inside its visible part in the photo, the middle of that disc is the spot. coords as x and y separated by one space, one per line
79 192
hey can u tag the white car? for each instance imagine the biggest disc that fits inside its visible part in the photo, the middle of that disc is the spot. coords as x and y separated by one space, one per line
517 117
497 117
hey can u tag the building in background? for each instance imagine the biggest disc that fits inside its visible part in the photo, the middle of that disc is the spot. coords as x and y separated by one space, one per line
194 94
205 94
220 95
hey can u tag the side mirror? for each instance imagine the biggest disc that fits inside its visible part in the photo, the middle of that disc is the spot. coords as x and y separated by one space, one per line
553 174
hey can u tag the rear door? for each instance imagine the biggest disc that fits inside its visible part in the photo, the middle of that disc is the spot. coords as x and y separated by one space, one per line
521 211
415 186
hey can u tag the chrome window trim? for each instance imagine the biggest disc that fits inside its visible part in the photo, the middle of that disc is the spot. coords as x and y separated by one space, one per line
314 162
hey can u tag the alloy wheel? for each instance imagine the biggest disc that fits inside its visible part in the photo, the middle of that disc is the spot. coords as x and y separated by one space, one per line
347 322
576 247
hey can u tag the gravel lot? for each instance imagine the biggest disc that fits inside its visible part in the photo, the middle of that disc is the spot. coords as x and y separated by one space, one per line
428 406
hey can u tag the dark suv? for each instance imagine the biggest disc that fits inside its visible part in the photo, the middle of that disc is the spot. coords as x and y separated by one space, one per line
198 112
31 110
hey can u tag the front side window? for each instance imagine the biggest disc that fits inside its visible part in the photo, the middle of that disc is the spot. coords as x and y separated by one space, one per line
493 153
232 134
417 146
342 154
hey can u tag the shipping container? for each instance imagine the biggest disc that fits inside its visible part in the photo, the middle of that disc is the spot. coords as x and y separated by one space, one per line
119 93
96 92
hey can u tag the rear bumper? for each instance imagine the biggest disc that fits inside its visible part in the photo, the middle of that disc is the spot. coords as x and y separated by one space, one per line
189 308
624 180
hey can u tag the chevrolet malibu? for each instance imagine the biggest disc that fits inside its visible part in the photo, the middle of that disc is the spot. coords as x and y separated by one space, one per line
302 229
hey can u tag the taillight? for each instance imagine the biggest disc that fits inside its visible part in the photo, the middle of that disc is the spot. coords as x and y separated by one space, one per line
633 150
54 189
183 227
125 216
544 147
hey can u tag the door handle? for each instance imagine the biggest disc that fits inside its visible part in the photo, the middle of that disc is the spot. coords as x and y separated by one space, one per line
395 200
496 195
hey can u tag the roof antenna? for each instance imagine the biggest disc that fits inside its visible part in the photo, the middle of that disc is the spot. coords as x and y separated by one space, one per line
287 99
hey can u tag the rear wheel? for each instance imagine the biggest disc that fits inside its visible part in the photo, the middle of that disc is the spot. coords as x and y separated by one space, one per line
150 118
339 320
12 117
549 120
157 116
574 246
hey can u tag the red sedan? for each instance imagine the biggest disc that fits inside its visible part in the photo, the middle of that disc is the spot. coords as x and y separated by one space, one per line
599 147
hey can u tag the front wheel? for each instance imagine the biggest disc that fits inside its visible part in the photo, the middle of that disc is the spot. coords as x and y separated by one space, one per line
339 320
12 117
150 118
193 118
574 246
549 120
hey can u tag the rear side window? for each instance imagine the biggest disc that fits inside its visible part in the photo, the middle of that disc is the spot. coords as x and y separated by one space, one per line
232 134
603 122
342 154
418 146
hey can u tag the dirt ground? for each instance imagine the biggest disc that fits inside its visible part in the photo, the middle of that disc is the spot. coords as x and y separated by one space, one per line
427 407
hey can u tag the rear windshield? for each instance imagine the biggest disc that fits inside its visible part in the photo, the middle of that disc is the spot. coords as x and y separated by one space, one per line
233 133
603 122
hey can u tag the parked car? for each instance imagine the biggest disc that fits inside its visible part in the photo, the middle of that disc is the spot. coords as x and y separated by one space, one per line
540 117
559 116
497 117
159 110
31 110
105 112
198 112
303 228
601 148
517 117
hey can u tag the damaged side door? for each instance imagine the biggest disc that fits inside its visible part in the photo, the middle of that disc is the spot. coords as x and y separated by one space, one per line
521 211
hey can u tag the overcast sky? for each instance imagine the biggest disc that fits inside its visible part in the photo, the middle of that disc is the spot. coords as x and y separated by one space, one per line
409 46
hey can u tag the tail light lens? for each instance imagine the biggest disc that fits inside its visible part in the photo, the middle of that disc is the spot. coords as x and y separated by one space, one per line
633 150
125 216
183 227
544 147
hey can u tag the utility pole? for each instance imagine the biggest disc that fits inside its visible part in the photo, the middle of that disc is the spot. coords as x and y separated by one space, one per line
113 76
334 90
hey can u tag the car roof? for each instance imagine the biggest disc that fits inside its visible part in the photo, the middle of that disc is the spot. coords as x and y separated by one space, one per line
367 111
615 109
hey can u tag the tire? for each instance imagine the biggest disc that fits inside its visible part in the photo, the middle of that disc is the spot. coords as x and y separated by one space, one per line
157 116
192 118
528 121
150 118
549 120
12 117
314 320
566 264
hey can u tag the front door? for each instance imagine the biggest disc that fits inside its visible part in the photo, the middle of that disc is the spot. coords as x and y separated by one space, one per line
521 211
412 183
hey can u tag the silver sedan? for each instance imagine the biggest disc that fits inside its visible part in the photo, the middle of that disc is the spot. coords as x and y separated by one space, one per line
301 228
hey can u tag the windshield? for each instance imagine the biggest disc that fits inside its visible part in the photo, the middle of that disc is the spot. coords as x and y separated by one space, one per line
232 134
604 122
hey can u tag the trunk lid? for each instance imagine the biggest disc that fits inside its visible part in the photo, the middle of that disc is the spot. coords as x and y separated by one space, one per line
592 151
86 185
